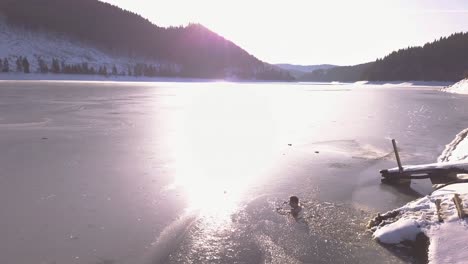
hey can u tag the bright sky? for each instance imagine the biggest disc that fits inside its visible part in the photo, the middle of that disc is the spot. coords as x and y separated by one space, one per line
342 32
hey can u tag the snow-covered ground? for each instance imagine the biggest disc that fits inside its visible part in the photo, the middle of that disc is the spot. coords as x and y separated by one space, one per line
405 83
459 87
448 239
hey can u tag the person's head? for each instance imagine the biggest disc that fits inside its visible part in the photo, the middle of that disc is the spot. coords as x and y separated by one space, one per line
294 201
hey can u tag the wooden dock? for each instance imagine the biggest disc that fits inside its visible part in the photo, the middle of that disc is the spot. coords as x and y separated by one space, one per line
438 173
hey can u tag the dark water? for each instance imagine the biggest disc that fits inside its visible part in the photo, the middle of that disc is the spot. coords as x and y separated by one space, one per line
194 172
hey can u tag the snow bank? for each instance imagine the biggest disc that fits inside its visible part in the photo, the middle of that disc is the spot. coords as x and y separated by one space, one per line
460 188
457 150
405 83
401 230
449 243
449 238
460 87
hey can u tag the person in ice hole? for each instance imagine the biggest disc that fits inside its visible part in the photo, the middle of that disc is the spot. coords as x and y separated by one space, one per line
296 208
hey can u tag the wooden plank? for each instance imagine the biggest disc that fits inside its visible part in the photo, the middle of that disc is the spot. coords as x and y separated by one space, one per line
458 166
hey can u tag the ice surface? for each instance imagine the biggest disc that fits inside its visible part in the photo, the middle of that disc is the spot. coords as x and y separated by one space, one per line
104 171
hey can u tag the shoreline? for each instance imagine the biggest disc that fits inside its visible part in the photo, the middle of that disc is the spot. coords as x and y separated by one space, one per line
99 78
94 78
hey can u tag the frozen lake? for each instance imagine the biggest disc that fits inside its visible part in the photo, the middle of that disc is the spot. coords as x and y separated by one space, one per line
193 172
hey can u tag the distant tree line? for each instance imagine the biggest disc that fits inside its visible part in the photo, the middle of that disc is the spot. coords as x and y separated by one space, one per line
56 66
4 65
445 59
22 65
341 74
199 51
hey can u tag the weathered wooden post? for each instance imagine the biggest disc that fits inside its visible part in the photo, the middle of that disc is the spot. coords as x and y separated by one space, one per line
397 156
396 176
459 205
439 210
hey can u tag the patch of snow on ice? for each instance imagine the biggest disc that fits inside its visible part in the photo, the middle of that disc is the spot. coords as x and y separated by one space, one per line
361 82
401 230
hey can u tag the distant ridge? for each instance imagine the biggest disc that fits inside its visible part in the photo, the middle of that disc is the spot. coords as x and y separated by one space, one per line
340 74
299 70
191 51
445 59
304 68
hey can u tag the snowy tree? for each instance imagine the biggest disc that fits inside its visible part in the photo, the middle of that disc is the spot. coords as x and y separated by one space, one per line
63 66
25 63
55 66
43 68
114 70
19 64
102 71
85 68
6 65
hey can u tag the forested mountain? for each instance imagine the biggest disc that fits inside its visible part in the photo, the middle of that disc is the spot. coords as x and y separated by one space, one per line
197 51
299 70
445 59
340 74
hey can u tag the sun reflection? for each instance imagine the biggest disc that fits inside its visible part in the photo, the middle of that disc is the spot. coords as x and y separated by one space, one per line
228 135
224 144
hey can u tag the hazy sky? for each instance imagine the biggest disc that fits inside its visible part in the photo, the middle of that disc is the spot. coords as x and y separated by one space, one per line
340 32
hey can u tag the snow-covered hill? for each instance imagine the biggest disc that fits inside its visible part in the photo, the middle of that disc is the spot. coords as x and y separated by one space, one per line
16 42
